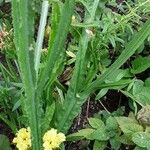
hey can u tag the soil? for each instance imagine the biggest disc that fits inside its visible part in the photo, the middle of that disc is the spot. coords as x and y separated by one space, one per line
6 131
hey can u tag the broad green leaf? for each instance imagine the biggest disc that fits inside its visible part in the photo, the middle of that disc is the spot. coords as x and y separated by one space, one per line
112 126
140 64
100 134
96 123
122 120
115 143
139 148
119 112
137 86
99 145
141 92
144 96
4 143
111 123
142 139
81 134
147 82
126 140
128 126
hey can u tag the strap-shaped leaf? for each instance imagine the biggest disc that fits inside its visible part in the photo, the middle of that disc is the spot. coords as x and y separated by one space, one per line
40 37
20 13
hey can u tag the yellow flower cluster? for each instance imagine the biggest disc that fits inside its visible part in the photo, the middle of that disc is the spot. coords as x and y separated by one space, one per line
52 139
23 139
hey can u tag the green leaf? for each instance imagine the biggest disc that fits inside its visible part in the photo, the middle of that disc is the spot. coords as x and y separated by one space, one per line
137 86
140 64
117 75
124 139
90 134
16 105
96 123
99 145
101 93
142 139
85 25
40 36
132 97
128 126
50 109
81 134
122 120
111 123
22 34
141 92
147 82
112 126
100 134
4 142
139 148
56 13
115 143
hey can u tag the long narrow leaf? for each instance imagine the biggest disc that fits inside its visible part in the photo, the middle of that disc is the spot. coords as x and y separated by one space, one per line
21 31
40 36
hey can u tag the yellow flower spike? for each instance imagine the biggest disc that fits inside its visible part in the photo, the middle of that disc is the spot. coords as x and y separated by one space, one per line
23 139
52 139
